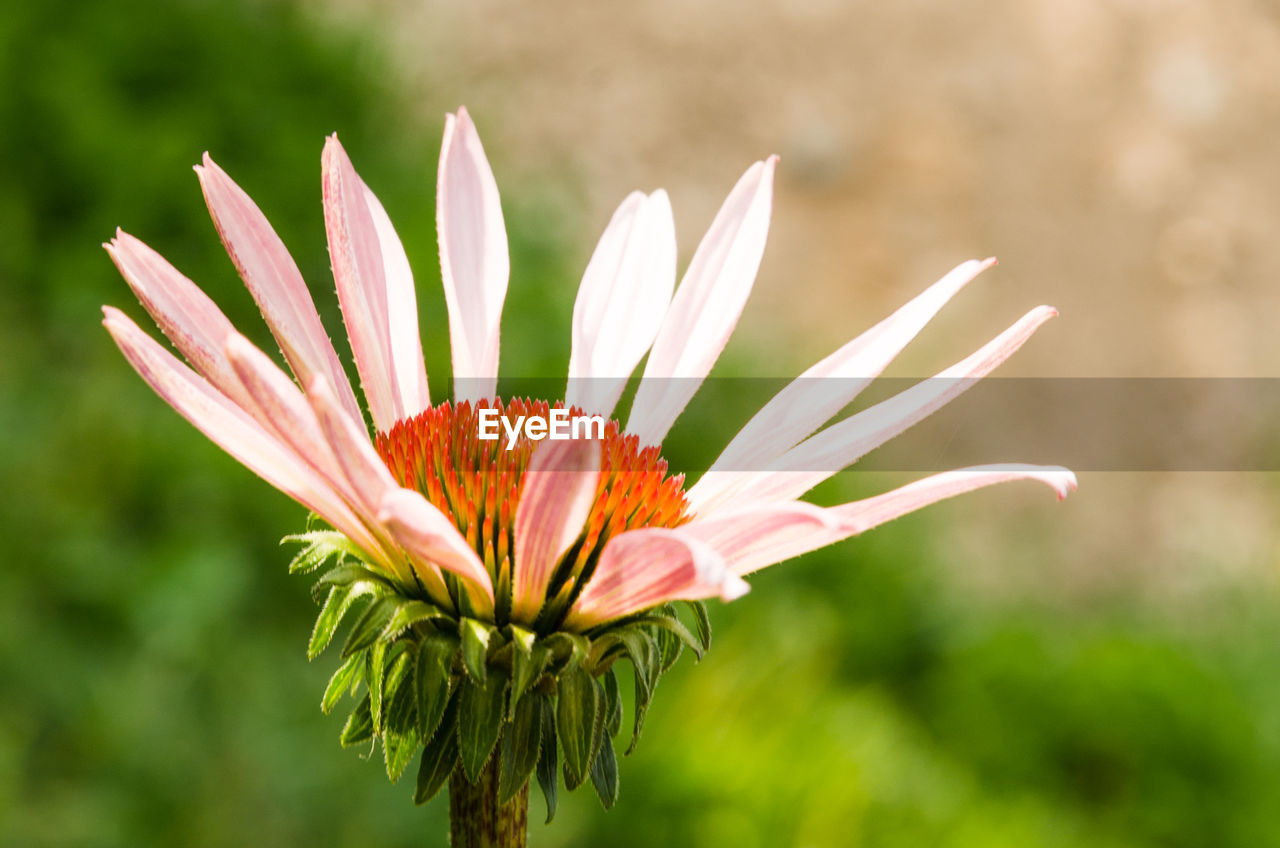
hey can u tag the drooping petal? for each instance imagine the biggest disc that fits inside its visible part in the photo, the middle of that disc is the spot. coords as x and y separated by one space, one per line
623 297
360 464
431 538
757 537
819 393
474 263
184 313
558 491
275 282
707 305
233 430
642 568
375 290
840 445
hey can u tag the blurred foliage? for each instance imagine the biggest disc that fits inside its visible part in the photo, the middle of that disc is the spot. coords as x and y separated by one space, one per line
153 682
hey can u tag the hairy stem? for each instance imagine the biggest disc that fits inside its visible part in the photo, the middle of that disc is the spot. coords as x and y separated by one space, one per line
475 818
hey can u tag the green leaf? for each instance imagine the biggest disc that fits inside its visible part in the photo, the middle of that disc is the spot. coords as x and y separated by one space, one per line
348 675
577 713
674 626
612 703
367 627
475 637
642 651
520 743
434 681
604 774
480 713
702 622
568 650
347 573
547 767
336 606
439 756
359 726
377 670
669 649
409 614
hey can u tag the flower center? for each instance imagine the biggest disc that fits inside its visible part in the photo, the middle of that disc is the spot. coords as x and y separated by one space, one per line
478 482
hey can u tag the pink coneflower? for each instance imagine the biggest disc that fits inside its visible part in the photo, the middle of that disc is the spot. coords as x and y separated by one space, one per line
549 537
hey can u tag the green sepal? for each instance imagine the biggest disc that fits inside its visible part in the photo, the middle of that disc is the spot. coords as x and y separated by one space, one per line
319 546
547 767
567 650
480 715
369 625
643 653
675 627
520 747
359 726
604 774
346 574
702 623
475 636
439 756
669 649
377 671
577 715
527 661
336 606
409 614
396 685
345 679
434 679
398 749
612 703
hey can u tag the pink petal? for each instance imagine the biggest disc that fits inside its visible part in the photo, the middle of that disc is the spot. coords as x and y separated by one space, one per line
474 264
706 306
359 462
273 279
826 388
432 538
375 290
643 568
185 314
558 491
233 430
840 445
753 538
624 295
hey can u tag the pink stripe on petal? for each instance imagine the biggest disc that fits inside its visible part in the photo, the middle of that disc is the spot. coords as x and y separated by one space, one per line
355 251
819 393
621 302
184 313
275 282
474 262
840 445
757 537
409 373
233 430
429 536
640 569
359 462
557 493
707 305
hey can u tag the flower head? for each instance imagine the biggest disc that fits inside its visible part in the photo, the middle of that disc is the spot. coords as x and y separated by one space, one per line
466 548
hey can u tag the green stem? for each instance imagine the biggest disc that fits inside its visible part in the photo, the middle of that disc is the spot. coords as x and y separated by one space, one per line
475 818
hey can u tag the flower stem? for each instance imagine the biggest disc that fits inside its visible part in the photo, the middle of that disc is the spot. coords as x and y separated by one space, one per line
475 818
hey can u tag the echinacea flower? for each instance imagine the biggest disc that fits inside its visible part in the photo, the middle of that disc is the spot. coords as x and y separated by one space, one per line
500 583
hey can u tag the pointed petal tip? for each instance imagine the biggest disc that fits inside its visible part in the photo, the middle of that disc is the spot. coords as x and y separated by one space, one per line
733 587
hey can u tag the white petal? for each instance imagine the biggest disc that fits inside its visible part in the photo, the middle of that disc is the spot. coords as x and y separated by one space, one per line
819 393
757 537
624 295
273 279
555 501
234 431
474 263
707 305
840 445
640 569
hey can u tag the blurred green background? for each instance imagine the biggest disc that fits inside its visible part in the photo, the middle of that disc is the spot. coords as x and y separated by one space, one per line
153 682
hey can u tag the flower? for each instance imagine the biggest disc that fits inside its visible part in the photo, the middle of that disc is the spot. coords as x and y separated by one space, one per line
550 536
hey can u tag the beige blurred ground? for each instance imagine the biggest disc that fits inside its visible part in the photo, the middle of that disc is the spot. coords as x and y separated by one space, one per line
1119 157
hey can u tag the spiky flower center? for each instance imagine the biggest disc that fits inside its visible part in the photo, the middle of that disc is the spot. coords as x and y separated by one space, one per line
478 483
